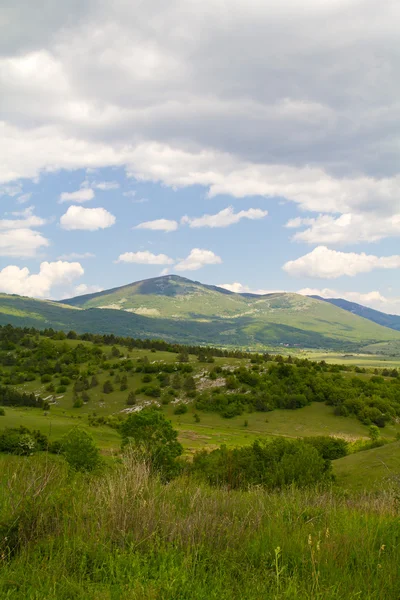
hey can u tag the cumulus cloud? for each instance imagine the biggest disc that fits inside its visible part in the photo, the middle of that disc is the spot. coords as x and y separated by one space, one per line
159 225
27 220
83 288
90 219
21 242
145 258
374 299
197 259
17 238
224 218
16 280
345 229
94 86
82 195
330 264
239 288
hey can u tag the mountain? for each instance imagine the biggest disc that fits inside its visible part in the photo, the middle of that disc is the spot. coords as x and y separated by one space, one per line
180 310
391 321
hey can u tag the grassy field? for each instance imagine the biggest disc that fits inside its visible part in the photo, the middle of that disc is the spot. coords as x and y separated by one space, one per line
121 535
373 469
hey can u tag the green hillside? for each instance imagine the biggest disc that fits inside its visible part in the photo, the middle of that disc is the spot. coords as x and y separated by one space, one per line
371 469
180 310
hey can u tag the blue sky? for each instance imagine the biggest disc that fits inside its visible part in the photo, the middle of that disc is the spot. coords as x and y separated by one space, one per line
254 153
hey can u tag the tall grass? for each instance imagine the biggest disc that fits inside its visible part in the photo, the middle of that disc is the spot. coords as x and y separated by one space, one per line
123 535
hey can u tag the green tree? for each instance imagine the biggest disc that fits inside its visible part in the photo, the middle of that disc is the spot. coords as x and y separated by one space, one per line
131 399
80 451
108 387
154 438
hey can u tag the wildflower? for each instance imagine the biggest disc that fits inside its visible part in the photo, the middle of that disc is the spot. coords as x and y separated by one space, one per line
309 539
383 547
327 533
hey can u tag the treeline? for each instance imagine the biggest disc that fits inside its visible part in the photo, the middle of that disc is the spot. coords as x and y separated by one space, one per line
12 397
373 400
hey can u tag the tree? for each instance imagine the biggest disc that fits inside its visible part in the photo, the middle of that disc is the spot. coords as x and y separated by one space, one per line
80 451
374 432
154 438
94 381
131 401
108 387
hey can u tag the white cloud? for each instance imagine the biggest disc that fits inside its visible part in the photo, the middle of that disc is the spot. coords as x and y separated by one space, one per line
105 186
374 299
83 288
90 219
346 229
96 86
197 259
145 258
14 280
82 195
76 255
28 220
21 242
330 264
159 225
224 218
239 288
10 190
24 198
130 194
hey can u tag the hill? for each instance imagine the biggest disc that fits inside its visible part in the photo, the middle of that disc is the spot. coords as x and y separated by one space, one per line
371 469
180 310
381 318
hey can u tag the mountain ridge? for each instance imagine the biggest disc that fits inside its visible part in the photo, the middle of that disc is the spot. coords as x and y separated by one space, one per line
381 318
180 310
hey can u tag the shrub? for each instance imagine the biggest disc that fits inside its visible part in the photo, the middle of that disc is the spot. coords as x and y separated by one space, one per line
180 409
108 387
154 438
46 378
329 448
80 450
272 465
65 381
2 412
61 389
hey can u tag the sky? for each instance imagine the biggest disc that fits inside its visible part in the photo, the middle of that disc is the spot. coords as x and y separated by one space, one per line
251 144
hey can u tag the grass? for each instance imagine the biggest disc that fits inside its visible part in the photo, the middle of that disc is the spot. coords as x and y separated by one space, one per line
372 469
122 535
212 430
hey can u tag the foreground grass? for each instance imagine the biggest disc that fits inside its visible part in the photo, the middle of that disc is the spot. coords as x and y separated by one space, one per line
122 535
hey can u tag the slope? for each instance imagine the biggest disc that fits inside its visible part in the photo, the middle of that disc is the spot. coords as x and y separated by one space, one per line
381 318
179 310
271 317
371 469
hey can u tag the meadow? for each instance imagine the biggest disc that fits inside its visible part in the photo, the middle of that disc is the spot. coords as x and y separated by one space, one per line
124 531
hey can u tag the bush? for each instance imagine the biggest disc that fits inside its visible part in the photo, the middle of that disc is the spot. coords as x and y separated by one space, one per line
61 389
2 412
329 448
65 381
46 378
154 438
180 409
80 450
272 465
108 387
